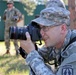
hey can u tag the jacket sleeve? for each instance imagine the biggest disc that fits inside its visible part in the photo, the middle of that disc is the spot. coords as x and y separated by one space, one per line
36 62
4 15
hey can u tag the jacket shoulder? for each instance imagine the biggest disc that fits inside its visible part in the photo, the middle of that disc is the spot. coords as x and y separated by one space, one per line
68 66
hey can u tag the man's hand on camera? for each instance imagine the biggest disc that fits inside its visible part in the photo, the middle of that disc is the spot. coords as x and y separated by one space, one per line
27 45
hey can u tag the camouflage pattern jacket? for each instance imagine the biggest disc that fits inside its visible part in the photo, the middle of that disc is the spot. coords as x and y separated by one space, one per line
37 64
11 16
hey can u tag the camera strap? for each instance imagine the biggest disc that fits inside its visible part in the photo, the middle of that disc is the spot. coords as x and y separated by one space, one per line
36 48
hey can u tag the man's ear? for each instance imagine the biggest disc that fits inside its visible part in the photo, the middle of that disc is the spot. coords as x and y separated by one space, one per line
63 28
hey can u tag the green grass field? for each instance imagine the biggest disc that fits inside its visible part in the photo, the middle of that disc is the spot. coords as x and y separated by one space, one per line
11 64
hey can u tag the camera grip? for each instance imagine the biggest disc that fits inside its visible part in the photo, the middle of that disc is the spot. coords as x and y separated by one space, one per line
23 53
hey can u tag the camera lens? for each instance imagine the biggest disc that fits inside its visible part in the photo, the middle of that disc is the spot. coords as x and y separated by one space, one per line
17 32
13 32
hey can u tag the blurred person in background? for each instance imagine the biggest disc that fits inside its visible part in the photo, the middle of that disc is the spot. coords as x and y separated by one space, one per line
11 17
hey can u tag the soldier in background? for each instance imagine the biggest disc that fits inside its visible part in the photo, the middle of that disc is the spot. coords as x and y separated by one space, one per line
11 17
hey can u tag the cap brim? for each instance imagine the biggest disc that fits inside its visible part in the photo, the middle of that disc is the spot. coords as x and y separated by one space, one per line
44 22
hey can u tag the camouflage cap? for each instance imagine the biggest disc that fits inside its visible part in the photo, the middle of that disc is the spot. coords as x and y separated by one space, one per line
10 2
53 16
55 3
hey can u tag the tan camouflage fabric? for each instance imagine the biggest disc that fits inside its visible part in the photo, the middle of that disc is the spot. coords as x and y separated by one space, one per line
9 1
10 22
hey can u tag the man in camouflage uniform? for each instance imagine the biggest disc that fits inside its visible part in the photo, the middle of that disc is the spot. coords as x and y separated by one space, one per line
11 16
60 42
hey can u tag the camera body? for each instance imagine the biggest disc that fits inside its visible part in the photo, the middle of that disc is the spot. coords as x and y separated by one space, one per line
15 18
19 32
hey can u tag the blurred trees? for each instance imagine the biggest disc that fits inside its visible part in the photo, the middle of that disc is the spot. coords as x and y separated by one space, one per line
66 2
30 5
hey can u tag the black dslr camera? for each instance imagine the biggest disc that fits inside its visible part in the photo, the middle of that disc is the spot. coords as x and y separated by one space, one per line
15 18
19 33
